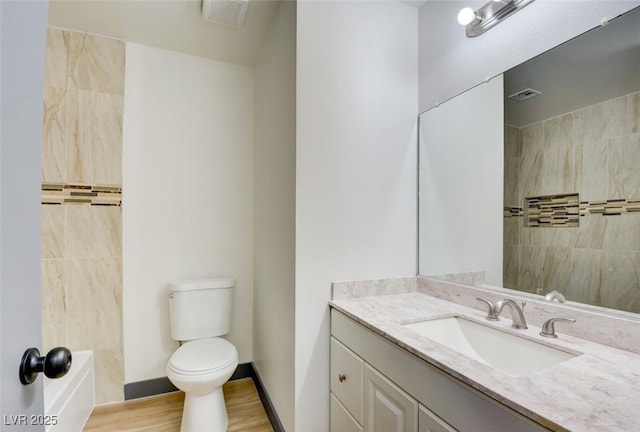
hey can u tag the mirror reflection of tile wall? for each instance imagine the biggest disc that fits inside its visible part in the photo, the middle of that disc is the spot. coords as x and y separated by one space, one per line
594 152
81 213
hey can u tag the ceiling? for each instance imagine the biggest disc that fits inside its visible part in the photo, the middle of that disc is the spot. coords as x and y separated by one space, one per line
599 65
175 25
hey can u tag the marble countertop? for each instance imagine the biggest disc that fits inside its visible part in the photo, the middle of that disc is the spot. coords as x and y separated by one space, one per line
598 390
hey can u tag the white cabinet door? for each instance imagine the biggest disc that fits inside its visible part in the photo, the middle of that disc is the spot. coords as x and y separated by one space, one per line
341 420
386 407
429 422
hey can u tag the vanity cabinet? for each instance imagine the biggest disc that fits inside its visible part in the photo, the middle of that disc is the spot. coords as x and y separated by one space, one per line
376 386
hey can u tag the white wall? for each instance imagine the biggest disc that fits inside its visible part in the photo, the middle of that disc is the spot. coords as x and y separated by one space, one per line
187 194
274 222
461 177
451 63
357 89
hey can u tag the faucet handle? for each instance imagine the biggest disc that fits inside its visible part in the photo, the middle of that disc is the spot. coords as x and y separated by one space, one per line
548 329
491 313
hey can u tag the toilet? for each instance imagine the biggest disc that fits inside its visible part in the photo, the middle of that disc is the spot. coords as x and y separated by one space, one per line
200 312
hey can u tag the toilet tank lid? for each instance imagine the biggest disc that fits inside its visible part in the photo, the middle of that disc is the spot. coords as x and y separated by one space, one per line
201 284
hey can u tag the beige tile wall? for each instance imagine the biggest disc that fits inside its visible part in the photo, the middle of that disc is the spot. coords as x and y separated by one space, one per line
594 151
82 243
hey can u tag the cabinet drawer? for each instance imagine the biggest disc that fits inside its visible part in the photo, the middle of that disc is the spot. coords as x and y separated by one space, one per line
341 420
429 422
346 378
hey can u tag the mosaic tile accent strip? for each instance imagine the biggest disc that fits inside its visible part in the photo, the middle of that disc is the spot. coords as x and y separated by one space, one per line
552 211
612 207
512 212
97 195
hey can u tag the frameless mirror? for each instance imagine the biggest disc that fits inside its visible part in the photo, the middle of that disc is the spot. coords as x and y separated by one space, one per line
534 177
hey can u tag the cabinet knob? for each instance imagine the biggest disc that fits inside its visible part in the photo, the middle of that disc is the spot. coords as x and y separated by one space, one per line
342 377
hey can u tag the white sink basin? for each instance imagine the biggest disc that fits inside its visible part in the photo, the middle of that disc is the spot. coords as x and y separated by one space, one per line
510 354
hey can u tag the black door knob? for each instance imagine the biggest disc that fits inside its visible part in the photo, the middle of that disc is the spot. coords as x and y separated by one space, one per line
55 364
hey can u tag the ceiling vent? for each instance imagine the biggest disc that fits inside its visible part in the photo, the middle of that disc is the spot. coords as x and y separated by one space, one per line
525 94
225 12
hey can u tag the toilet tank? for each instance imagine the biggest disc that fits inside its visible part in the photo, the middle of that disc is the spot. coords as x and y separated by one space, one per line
200 308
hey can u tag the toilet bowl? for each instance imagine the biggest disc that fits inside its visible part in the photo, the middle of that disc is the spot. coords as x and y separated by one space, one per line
200 368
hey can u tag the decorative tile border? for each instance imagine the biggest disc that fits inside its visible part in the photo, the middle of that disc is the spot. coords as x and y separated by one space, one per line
512 212
97 195
552 211
611 207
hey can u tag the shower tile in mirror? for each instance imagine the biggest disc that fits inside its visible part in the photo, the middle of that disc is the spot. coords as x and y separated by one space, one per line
595 169
586 276
624 159
622 234
634 113
530 276
557 268
620 280
558 133
561 170
511 266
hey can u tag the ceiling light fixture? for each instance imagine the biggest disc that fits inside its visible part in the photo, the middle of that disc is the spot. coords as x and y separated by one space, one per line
478 22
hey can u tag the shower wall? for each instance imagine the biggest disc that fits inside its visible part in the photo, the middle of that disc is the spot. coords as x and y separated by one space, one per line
594 152
81 197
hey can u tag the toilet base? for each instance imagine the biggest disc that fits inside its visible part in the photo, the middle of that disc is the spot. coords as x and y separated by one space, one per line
204 413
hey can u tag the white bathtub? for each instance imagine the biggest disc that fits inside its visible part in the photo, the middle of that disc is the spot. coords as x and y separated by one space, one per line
68 401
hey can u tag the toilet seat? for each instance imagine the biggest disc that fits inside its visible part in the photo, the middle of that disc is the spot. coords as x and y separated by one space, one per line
203 356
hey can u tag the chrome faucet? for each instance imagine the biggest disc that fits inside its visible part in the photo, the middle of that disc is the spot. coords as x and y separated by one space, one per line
517 316
555 295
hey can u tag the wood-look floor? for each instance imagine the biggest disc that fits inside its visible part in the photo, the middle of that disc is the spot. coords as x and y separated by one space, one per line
163 413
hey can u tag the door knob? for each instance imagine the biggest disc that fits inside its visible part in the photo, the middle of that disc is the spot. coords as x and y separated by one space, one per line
55 364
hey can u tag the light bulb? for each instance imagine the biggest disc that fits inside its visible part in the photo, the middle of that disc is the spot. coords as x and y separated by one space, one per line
466 16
